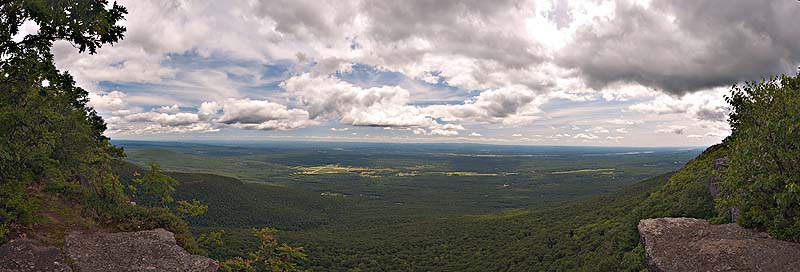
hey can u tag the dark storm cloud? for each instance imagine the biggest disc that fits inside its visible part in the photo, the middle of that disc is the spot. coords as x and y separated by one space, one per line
475 28
307 19
684 46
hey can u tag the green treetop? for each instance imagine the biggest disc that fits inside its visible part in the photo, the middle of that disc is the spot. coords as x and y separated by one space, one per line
762 179
47 132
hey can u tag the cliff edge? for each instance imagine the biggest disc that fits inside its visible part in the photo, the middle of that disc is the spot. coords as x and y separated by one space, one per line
150 250
688 244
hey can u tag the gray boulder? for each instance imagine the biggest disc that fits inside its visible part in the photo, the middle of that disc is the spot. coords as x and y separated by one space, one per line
26 255
688 244
150 250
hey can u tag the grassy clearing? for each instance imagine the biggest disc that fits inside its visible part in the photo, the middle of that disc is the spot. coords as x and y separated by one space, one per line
57 218
605 171
337 169
471 174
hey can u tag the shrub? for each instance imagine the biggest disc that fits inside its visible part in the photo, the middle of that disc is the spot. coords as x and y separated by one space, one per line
762 179
117 212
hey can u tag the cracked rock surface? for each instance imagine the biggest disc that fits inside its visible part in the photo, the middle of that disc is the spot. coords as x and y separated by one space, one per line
150 250
23 255
688 244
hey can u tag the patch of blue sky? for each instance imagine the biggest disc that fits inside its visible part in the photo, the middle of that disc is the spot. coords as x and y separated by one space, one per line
367 76
254 74
248 78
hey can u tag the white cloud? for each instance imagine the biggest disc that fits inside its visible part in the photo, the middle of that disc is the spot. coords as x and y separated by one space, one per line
263 115
108 101
624 122
672 129
682 46
707 105
164 119
587 136
490 64
597 130
123 118
327 97
445 130
208 110
28 27
169 109
475 134
148 128
509 106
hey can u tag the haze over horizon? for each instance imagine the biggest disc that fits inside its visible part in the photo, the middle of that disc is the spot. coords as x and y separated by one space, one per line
615 73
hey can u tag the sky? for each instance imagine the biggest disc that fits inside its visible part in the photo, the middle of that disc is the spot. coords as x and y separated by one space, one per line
552 72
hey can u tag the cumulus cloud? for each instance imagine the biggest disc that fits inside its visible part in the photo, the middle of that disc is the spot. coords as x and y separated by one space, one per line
238 113
560 135
676 46
169 109
280 65
108 101
123 118
262 115
597 130
445 130
327 97
707 105
587 136
475 134
672 129
510 106
164 119
208 110
684 46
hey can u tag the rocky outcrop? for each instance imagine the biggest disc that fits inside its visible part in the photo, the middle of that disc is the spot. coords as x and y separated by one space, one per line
150 250
687 244
24 255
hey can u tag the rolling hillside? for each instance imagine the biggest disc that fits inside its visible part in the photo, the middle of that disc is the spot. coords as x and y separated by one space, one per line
342 234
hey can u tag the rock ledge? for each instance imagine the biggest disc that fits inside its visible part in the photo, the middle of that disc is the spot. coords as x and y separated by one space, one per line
150 250
23 255
688 244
